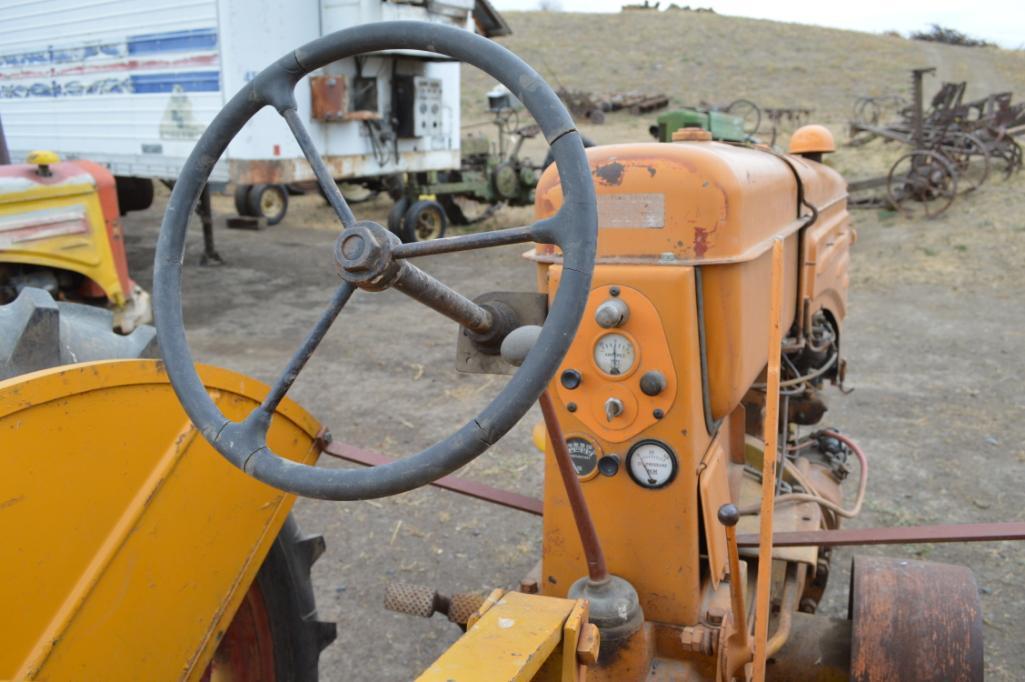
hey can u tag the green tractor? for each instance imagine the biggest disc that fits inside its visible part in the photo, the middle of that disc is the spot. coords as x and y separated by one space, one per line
737 122
490 176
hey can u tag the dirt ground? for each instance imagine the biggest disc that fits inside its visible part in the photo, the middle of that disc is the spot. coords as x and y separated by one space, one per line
934 341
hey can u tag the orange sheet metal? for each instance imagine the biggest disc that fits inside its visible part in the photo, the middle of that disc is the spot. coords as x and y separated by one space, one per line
769 430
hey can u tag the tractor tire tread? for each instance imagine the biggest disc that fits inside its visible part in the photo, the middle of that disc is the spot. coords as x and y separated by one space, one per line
37 333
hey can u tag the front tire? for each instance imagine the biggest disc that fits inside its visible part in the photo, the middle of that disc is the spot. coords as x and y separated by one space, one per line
275 634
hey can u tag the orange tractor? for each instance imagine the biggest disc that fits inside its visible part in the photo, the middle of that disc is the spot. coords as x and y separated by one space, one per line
688 317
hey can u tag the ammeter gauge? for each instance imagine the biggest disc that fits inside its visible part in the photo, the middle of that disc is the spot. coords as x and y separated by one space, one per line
614 354
651 464
585 455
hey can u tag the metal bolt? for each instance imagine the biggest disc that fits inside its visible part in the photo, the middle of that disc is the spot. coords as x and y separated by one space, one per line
613 291
715 615
657 413
572 407
353 246
808 605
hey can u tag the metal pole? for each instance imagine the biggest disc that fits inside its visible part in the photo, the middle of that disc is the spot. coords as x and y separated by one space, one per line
5 153
205 213
770 430
596 568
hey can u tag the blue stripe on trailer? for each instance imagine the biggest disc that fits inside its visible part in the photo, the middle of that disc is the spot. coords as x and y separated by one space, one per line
173 41
189 81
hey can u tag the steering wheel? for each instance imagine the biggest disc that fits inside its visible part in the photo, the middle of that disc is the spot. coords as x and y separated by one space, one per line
369 257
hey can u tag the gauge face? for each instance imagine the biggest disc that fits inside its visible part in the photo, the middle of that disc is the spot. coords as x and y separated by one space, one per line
651 464
614 354
585 456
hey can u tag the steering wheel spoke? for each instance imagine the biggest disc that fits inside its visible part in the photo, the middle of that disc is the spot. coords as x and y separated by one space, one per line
371 258
320 169
342 295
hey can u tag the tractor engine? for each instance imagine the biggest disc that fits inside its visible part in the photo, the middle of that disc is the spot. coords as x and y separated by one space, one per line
662 392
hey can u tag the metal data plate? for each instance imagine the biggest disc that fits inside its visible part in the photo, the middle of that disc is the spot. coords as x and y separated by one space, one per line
531 308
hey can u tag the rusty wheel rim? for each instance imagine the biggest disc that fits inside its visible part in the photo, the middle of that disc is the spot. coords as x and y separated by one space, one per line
246 651
428 225
271 203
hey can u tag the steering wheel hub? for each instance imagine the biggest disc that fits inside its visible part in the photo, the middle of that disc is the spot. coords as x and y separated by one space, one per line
363 253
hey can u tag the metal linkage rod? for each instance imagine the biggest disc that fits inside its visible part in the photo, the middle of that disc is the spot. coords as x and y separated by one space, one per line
769 430
596 567
417 284
954 532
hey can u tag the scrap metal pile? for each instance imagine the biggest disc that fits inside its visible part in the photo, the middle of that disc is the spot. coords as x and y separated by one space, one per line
954 144
593 107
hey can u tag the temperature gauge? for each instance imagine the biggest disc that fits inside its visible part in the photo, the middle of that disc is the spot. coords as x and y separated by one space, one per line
585 455
615 354
651 464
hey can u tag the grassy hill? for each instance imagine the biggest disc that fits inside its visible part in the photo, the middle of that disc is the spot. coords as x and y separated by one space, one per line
698 57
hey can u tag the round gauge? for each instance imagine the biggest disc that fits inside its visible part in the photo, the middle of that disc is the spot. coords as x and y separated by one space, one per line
585 456
651 464
615 354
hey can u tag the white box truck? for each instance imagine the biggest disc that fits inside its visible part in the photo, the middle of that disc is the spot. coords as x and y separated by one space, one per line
131 84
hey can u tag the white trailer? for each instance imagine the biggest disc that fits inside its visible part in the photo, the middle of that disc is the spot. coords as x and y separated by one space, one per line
132 84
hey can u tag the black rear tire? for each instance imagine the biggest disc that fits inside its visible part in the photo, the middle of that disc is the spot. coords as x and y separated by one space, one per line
268 201
242 199
133 194
396 215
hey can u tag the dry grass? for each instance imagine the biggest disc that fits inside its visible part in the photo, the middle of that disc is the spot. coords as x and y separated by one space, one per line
695 57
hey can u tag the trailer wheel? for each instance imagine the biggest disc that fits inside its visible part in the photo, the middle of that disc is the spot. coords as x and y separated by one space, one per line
396 214
242 199
748 112
425 220
914 620
268 201
275 634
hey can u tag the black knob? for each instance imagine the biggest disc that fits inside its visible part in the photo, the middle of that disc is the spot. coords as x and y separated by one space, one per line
609 465
729 515
571 379
653 382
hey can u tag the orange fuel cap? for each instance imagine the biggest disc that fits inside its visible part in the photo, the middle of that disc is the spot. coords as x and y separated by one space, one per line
812 139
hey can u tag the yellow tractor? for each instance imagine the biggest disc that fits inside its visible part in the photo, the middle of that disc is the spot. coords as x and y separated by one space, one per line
60 230
688 316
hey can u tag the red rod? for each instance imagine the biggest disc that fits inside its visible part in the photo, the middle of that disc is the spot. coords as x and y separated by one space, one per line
455 484
957 532
596 567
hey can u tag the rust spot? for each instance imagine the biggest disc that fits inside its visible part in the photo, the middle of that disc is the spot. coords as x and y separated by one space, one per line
610 173
651 170
700 241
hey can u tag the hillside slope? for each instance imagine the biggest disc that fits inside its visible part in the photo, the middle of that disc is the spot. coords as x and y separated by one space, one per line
706 57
